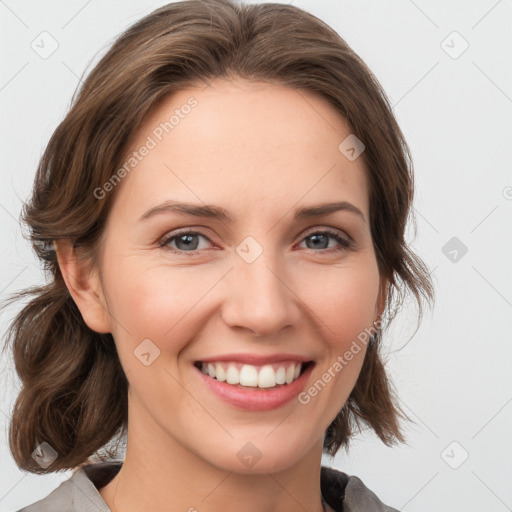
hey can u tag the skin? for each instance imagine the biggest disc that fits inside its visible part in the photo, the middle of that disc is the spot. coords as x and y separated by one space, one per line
260 151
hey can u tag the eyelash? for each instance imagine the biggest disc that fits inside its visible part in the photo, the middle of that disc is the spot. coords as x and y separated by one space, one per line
344 243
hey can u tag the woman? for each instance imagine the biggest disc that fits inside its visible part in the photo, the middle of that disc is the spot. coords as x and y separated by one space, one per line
222 212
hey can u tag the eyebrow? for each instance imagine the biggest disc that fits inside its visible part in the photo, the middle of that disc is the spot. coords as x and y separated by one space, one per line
219 213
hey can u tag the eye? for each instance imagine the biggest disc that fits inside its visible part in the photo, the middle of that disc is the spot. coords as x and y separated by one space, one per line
320 238
186 242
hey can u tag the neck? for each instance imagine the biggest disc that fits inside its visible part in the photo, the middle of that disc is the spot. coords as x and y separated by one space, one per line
160 474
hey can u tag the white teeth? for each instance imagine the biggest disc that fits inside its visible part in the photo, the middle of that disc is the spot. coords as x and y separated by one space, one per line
232 375
248 376
289 374
220 374
266 376
281 375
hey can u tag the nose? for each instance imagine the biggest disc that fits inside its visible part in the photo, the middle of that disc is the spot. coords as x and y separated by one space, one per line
260 298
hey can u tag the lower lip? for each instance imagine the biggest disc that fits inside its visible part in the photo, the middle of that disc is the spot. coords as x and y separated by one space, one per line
256 399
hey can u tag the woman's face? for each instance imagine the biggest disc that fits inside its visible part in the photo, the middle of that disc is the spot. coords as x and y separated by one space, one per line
258 285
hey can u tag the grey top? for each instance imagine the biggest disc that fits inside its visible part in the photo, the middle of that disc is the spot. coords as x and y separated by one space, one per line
79 493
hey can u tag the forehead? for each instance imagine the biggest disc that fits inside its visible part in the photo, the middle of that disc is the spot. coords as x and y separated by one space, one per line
240 143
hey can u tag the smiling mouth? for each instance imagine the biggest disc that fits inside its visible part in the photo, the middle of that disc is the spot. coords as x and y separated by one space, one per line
267 376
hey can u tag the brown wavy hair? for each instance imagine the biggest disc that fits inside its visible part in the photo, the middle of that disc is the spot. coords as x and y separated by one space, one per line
74 390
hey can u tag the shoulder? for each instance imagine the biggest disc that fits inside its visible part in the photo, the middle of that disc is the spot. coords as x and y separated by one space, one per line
79 493
348 493
60 498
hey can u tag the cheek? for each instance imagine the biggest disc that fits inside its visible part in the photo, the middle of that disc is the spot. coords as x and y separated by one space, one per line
343 300
157 303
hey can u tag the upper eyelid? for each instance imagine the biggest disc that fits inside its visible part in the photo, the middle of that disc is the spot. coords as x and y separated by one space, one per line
321 229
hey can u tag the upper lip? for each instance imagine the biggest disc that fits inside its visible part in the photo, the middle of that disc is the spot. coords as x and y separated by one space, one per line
256 359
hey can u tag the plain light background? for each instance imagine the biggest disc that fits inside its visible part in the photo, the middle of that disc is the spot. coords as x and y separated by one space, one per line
454 105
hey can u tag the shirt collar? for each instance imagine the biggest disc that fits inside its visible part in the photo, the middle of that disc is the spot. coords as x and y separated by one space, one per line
341 492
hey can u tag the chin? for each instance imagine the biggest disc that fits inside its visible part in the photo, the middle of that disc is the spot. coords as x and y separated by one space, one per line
257 457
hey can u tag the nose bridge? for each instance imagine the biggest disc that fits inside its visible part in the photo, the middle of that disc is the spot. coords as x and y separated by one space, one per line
258 297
